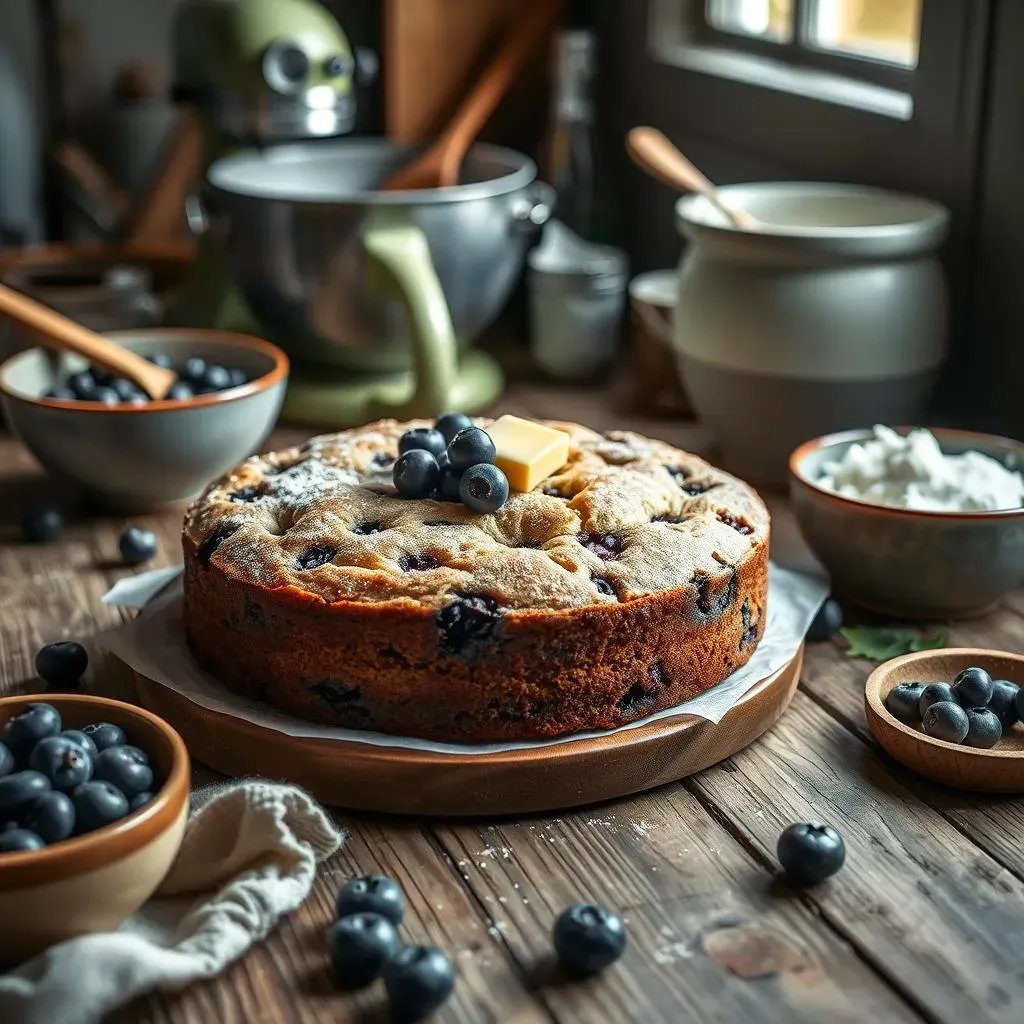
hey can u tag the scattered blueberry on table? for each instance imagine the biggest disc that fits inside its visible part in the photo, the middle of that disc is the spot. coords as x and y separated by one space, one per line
195 377
361 945
364 945
371 894
62 664
975 709
826 623
137 545
588 938
418 979
451 461
57 783
42 525
810 852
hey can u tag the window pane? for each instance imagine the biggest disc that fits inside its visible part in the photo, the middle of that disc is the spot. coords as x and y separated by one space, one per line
886 30
764 19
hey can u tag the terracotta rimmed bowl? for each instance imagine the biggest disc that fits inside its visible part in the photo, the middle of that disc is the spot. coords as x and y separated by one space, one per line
92 883
997 770
133 457
920 565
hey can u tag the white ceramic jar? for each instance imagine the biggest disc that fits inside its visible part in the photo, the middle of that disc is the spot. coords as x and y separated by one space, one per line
833 315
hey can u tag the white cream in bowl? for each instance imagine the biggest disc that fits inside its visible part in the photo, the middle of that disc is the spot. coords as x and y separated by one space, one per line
912 472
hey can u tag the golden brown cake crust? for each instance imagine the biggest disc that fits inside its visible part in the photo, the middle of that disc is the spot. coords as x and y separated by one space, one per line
631 580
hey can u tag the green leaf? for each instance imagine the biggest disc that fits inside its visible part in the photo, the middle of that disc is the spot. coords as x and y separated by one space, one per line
880 643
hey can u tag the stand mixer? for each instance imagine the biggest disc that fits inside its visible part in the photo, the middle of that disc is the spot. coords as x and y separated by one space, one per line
375 296
254 72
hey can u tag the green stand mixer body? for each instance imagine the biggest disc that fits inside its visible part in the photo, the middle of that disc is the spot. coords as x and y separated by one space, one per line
376 297
257 72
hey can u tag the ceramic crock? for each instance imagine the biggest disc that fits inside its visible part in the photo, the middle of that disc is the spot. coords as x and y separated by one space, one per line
832 315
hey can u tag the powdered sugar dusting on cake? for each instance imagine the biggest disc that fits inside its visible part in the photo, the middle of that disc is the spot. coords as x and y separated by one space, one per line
622 519
309 481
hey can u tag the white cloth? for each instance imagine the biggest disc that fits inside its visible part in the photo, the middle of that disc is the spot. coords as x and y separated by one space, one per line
248 857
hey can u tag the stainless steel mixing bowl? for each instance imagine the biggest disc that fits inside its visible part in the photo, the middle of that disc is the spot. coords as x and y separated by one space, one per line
293 220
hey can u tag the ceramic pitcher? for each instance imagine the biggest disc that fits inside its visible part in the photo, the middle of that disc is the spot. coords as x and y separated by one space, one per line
833 314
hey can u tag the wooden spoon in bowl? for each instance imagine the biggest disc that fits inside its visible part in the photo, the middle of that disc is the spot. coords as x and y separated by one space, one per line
652 151
59 332
440 164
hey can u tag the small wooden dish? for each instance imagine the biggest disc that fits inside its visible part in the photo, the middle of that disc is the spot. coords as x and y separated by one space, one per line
998 770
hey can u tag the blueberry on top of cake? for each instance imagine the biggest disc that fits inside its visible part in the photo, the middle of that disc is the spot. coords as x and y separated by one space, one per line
631 578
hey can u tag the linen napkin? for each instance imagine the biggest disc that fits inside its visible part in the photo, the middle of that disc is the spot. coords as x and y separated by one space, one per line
248 857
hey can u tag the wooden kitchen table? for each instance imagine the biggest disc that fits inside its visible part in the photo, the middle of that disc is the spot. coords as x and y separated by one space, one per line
925 922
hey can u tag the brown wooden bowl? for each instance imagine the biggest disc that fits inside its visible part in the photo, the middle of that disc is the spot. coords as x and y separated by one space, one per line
997 770
92 883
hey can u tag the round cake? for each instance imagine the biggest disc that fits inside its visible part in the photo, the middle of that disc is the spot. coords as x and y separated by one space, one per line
632 579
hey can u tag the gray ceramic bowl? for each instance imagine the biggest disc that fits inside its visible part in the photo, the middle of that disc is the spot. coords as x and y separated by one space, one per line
922 565
142 456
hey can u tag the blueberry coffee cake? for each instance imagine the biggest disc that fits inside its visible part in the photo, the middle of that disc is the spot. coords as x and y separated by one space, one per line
630 578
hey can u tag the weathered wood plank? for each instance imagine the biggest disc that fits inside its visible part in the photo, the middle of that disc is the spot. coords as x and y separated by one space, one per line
938 917
287 978
709 939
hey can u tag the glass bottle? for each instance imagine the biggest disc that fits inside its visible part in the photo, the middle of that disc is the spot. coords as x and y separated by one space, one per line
570 160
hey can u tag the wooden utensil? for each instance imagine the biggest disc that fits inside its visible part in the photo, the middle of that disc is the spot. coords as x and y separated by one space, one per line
999 769
652 151
57 331
440 165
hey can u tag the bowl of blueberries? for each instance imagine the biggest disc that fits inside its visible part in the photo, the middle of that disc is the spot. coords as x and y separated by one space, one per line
130 453
94 798
954 715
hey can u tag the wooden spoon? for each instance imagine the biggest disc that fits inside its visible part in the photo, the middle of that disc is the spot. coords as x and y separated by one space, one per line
655 154
57 331
440 164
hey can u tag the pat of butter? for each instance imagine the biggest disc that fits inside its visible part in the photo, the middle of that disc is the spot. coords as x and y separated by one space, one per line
527 452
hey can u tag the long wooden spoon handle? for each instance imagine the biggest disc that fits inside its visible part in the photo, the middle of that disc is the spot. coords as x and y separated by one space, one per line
57 331
655 154
487 93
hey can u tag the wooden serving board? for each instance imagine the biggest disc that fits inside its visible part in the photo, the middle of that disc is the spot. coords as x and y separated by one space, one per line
392 780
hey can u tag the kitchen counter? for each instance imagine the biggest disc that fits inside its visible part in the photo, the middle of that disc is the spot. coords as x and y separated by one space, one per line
914 928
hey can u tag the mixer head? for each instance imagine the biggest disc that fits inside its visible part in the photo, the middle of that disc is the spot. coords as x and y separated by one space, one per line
265 70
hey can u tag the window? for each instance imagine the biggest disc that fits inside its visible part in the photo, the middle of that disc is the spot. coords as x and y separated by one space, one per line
884 92
880 56
880 30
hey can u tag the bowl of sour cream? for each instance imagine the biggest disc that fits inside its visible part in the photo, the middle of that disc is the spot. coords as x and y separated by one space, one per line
912 522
